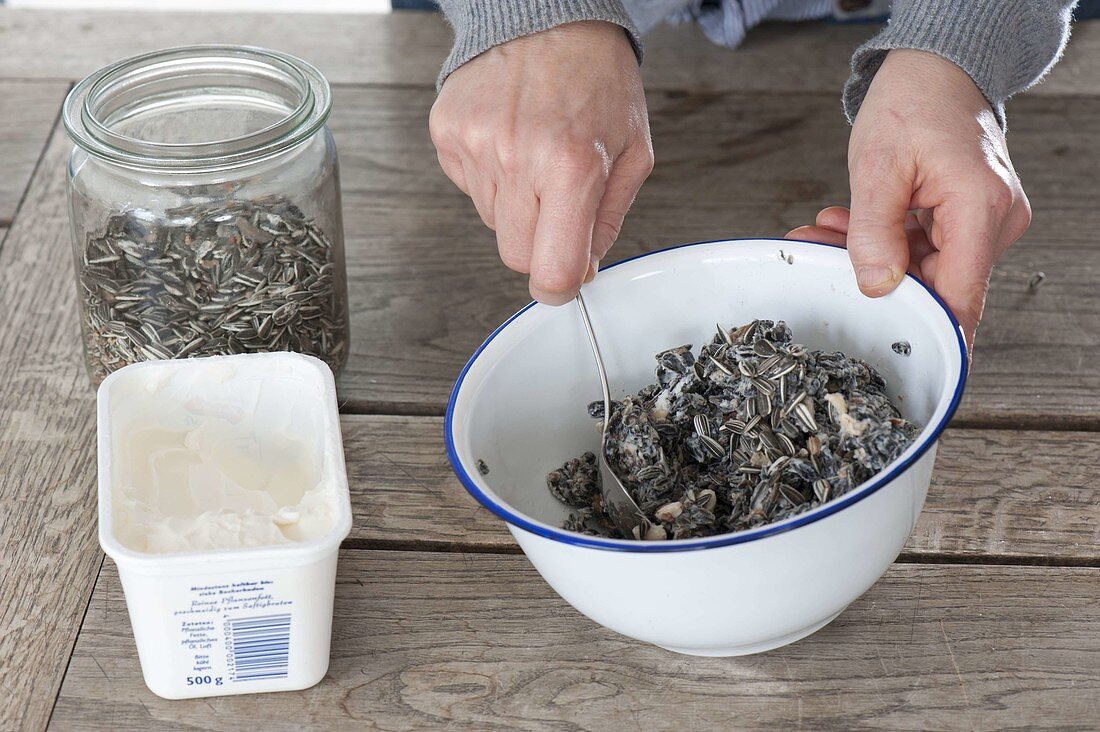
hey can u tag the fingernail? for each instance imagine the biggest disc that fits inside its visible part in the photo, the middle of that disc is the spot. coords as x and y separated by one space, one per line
875 276
593 268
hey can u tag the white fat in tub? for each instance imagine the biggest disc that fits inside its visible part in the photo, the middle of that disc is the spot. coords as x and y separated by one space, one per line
217 458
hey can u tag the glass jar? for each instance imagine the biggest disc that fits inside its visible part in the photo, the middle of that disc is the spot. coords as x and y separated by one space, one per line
204 199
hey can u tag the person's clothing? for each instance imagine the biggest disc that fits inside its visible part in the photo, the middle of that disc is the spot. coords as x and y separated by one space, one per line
1005 46
726 22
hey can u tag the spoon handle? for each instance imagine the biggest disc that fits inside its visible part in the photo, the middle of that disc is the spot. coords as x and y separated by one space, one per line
620 505
599 360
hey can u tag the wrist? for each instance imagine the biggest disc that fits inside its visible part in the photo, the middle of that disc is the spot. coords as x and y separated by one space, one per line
483 24
930 78
580 36
930 65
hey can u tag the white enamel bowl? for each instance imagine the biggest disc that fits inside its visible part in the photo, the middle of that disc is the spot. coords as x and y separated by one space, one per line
519 405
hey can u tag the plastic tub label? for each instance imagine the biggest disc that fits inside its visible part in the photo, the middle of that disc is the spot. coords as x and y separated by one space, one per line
234 632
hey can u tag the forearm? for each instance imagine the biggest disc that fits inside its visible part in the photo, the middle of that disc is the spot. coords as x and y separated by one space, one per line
1005 46
481 24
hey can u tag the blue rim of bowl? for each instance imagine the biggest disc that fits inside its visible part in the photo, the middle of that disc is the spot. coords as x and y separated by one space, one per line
740 537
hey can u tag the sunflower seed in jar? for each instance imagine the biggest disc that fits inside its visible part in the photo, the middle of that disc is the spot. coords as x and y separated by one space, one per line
227 276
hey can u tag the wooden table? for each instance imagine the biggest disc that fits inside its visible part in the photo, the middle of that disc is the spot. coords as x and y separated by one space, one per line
990 618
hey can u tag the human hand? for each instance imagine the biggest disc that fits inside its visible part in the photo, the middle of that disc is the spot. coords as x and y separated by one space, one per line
933 188
549 135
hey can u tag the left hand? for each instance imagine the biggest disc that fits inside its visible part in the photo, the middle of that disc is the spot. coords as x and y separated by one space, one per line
933 190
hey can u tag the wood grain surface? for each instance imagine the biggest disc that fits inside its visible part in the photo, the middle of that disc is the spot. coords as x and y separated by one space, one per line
427 286
474 641
960 635
996 495
29 109
48 551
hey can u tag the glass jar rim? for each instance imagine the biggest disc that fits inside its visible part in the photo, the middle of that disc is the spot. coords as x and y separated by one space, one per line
83 107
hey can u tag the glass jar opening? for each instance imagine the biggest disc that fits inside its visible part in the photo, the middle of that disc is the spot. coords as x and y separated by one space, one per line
197 107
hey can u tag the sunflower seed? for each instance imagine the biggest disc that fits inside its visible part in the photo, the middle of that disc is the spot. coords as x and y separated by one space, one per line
721 366
768 363
712 445
763 348
805 414
735 426
763 385
257 269
791 495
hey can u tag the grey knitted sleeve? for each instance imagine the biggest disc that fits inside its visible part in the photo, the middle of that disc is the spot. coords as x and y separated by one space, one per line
481 24
1004 45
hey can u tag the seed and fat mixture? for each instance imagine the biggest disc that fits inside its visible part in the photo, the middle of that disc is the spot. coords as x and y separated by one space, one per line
754 430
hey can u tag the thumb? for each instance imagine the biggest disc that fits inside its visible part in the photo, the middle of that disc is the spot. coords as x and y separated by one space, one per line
877 242
626 177
965 262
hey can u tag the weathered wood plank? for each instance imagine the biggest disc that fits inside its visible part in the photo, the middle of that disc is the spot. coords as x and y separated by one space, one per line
404 48
376 48
48 548
30 108
427 287
1027 496
449 641
814 57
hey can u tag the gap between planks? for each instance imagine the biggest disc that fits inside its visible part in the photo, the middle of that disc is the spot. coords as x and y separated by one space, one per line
76 636
7 223
1067 423
906 557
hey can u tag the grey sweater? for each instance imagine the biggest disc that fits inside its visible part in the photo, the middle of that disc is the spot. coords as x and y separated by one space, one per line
1004 45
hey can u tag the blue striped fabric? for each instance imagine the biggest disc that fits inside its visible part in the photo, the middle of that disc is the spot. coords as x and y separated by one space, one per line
726 22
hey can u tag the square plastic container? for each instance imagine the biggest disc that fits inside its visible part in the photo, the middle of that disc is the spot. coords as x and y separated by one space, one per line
242 620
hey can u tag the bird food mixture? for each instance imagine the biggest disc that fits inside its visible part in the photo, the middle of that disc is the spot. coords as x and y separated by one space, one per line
753 430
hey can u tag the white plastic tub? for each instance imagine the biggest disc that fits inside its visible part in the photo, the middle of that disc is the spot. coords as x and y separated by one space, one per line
249 618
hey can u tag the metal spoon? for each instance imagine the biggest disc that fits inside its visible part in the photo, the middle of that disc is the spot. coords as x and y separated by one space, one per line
622 509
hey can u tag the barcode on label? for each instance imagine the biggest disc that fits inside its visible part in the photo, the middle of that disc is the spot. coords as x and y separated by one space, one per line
259 647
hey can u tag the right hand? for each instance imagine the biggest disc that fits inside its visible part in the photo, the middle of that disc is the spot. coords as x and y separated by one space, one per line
549 135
